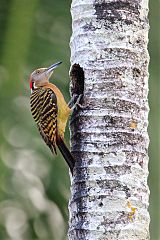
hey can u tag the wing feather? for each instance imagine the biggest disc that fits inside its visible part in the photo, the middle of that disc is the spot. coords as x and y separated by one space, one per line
44 110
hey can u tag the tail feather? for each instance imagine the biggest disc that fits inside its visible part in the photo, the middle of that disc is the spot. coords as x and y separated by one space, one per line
66 153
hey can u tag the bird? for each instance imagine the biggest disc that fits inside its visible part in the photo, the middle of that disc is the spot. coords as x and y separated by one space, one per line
50 111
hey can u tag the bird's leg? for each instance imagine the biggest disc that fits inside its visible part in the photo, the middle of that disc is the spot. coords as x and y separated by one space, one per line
72 100
75 101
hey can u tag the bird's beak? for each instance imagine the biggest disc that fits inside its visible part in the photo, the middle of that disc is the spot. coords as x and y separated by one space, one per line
52 67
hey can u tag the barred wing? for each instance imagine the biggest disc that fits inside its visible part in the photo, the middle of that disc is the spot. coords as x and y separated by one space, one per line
44 110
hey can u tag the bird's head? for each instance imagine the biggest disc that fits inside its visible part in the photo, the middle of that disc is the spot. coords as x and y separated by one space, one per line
41 76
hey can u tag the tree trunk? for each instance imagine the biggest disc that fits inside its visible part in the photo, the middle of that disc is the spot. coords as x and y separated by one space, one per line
109 137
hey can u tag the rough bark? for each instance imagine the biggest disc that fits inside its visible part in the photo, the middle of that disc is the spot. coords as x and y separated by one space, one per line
109 137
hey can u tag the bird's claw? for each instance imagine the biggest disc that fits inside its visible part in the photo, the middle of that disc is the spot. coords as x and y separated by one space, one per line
77 103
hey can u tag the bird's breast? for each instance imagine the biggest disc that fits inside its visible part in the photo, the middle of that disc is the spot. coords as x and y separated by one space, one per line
63 114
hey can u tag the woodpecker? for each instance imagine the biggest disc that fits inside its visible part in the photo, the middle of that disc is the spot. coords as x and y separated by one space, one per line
50 111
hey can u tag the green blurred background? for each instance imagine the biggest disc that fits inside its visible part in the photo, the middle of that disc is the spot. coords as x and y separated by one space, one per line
34 188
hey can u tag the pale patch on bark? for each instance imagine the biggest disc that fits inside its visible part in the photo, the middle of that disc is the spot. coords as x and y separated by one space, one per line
109 136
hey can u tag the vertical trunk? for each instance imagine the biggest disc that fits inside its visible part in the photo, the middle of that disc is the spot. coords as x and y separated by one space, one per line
109 136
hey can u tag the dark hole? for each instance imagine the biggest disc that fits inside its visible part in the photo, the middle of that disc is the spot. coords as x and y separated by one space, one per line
77 79
136 72
100 204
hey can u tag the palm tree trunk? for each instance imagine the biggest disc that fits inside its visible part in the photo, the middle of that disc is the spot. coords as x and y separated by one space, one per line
109 137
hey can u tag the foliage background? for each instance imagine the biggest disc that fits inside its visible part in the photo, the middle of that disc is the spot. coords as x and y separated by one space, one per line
34 188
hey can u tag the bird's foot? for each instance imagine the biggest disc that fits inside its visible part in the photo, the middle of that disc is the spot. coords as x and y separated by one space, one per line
75 101
72 101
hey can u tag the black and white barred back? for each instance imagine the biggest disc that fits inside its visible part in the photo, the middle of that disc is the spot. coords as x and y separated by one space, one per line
44 110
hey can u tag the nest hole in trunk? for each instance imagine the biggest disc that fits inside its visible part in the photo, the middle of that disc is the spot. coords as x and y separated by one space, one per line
77 79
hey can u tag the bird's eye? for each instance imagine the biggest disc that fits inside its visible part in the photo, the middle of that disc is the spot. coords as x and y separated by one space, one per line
38 72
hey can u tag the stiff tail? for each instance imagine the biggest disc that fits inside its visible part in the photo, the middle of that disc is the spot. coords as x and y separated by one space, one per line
66 153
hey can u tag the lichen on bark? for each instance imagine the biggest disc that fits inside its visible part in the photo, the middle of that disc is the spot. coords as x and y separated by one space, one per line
109 137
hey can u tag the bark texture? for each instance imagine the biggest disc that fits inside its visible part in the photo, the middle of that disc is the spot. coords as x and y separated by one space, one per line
109 137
